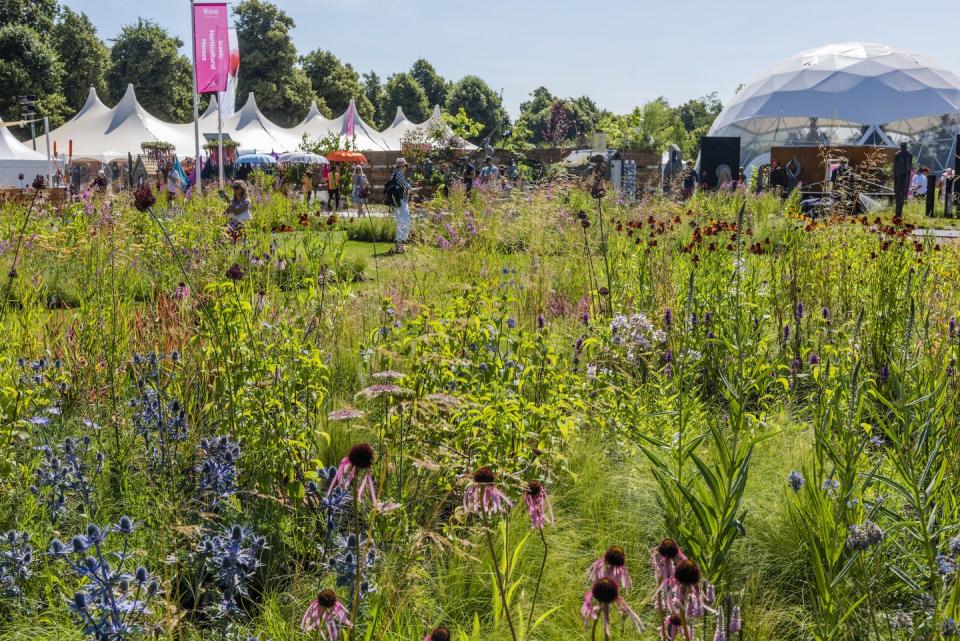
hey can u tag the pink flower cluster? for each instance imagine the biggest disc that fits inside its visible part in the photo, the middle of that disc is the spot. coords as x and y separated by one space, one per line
608 578
682 595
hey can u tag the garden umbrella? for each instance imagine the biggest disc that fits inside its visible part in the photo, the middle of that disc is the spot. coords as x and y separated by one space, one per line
304 158
346 156
257 160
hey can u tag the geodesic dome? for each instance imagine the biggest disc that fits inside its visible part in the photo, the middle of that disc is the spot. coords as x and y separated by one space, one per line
849 94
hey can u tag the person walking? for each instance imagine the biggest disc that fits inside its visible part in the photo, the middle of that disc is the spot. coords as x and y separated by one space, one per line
397 193
334 185
306 187
361 190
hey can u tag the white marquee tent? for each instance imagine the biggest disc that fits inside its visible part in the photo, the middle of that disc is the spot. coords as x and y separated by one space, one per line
852 93
16 158
105 134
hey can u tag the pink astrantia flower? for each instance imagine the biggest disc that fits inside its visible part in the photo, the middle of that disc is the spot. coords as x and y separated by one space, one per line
345 414
597 602
538 505
326 614
482 494
389 375
358 461
612 565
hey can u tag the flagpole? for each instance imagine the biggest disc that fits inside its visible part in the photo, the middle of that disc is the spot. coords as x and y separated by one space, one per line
196 98
46 129
220 142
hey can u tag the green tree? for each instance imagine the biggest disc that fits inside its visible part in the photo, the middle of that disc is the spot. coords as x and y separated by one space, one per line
39 15
337 83
373 90
28 66
402 90
149 58
432 82
697 116
581 116
76 41
269 66
650 127
480 102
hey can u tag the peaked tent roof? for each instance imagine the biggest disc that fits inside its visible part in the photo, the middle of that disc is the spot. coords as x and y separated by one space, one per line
314 125
13 149
109 134
255 132
364 137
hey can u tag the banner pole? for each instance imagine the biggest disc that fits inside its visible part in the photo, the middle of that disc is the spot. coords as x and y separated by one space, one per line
220 143
196 99
46 129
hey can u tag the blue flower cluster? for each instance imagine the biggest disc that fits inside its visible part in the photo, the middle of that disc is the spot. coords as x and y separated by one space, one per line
218 469
16 555
331 504
344 563
112 600
232 559
158 418
340 544
70 469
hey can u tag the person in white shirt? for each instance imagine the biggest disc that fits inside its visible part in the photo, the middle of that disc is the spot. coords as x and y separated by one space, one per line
919 184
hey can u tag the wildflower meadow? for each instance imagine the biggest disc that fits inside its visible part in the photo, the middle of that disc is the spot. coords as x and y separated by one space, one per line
555 416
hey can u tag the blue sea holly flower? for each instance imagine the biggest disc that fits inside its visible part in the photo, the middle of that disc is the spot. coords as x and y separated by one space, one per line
795 479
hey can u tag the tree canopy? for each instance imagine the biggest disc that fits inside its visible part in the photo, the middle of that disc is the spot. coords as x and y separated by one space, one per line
480 102
434 86
149 58
28 66
76 40
402 90
336 83
269 62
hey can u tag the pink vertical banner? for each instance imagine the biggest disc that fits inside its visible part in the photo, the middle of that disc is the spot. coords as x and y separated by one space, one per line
211 43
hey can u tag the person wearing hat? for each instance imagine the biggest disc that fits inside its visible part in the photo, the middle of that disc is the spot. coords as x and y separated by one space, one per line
401 212
239 207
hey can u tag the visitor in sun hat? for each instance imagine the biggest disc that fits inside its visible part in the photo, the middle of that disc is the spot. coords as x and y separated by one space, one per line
401 212
239 207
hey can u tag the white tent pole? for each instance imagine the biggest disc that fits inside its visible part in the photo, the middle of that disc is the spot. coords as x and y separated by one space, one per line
46 128
220 143
196 99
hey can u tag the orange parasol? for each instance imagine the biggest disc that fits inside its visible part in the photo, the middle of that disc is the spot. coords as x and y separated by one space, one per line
346 156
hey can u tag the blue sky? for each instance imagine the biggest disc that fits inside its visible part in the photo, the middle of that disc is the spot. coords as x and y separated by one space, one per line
620 52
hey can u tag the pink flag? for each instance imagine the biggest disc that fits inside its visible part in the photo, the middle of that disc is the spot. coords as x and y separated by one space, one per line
351 120
211 45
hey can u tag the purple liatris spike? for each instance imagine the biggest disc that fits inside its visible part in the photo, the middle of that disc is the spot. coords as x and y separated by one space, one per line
721 633
798 312
735 622
668 317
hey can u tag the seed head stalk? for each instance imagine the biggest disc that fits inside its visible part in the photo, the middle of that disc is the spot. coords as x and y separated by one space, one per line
496 573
